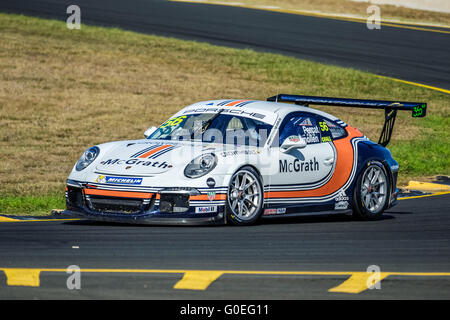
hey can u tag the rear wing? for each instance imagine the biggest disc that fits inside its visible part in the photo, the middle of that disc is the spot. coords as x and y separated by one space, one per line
417 109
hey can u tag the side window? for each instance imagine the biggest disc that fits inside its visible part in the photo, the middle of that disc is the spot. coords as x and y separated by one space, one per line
303 125
329 129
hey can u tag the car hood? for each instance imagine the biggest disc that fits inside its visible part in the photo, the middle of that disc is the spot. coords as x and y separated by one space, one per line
153 157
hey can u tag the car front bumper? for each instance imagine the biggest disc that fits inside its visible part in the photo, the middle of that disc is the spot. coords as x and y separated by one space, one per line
177 206
144 219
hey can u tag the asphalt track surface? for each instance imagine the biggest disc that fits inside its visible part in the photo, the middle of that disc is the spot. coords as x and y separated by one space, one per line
412 237
413 55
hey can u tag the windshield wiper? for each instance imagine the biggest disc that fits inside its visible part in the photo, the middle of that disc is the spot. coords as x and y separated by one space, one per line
208 122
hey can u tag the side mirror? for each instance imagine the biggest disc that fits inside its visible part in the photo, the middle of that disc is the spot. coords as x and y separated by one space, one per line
149 131
293 142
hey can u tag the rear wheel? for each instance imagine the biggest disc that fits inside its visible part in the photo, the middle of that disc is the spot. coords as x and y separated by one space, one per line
371 192
245 197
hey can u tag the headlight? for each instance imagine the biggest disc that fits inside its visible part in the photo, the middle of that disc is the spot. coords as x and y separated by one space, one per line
87 158
201 166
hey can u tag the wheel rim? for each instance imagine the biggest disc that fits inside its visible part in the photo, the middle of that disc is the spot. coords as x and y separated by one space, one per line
374 189
244 195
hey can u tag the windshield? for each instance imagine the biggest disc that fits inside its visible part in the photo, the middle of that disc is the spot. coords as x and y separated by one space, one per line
214 127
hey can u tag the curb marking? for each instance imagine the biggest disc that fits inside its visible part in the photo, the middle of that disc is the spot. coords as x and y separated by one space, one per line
425 195
197 280
22 277
415 84
201 279
357 282
426 186
7 219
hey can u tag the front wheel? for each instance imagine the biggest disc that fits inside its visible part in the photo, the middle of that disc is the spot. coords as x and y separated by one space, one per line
245 197
371 192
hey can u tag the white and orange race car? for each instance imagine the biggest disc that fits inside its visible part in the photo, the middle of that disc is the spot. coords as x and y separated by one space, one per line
236 161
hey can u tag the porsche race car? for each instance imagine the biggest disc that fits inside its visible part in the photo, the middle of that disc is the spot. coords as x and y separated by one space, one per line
236 161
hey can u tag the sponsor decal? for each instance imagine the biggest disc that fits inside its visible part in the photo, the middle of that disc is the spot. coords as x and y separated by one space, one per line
101 179
118 180
210 182
205 209
271 212
326 139
341 205
299 166
293 139
342 196
136 162
236 152
306 122
211 196
341 201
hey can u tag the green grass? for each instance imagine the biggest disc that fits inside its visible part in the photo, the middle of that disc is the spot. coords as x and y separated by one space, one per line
29 205
429 152
62 91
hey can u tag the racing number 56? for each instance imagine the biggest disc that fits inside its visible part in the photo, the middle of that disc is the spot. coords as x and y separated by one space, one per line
173 122
323 126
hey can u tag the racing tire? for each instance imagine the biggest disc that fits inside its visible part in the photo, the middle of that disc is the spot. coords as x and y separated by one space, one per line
245 197
371 193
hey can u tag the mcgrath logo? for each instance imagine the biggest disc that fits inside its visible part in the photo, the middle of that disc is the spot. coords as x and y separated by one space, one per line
130 162
119 180
299 166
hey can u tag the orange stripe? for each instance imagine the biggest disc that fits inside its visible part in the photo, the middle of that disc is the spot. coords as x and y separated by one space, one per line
149 153
143 195
344 165
235 103
123 194
221 196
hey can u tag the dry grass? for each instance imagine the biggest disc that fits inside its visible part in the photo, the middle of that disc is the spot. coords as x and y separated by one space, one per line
388 12
62 91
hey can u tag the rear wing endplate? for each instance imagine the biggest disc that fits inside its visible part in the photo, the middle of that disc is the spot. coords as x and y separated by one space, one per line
417 109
